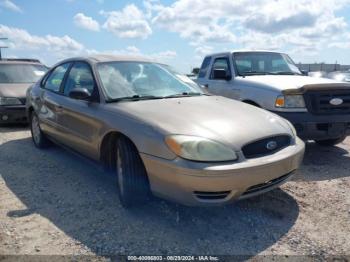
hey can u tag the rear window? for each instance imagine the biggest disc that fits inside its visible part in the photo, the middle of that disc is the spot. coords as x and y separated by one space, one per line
21 73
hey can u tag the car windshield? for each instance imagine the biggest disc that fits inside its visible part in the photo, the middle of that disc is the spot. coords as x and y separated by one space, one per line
135 80
264 63
21 73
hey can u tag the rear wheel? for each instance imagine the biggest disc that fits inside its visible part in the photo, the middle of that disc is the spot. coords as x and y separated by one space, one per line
39 138
331 142
133 182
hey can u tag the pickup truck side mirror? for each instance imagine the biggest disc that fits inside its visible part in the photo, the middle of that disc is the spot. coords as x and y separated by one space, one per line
221 74
80 94
304 72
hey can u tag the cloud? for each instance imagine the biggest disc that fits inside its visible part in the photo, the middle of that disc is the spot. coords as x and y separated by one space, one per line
54 46
266 24
203 50
130 22
86 22
200 21
10 6
50 48
257 24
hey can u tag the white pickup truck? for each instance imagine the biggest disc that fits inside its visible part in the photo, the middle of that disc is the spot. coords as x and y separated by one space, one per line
318 108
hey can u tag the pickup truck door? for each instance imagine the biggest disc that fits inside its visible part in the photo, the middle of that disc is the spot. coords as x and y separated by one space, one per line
222 87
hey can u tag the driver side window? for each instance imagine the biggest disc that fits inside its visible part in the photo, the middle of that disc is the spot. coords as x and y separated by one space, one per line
80 76
220 63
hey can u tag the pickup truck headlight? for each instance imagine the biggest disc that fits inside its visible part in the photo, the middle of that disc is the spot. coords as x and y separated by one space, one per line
9 101
290 101
199 149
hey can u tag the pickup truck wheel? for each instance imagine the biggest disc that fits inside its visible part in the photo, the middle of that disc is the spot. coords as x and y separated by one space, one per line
132 179
39 138
331 142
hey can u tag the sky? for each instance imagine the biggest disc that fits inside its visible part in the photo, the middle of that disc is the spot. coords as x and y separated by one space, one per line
179 33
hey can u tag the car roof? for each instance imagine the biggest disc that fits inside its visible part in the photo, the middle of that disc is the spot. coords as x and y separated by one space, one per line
98 58
20 61
244 51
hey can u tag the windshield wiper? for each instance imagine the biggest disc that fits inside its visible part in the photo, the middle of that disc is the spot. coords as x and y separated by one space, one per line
285 73
184 94
133 98
269 73
248 73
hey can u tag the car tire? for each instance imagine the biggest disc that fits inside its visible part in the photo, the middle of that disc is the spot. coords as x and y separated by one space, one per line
331 142
132 180
39 138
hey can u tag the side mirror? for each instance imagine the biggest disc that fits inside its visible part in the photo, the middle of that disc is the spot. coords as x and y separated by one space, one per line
304 72
80 93
221 74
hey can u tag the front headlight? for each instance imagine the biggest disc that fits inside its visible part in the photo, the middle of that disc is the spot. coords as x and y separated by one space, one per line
199 149
9 101
290 101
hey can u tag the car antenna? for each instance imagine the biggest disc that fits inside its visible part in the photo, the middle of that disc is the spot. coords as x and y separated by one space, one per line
1 39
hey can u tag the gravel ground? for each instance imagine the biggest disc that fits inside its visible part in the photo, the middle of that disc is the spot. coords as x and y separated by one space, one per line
56 203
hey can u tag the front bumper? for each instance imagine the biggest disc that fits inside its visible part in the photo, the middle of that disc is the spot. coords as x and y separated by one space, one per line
13 114
318 127
194 183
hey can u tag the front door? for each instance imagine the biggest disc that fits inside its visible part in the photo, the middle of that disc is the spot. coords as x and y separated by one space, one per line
79 119
222 87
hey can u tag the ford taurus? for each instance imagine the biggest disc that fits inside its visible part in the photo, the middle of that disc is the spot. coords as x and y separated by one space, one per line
159 133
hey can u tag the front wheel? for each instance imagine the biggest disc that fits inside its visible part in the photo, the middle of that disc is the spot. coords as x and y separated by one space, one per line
39 138
331 142
133 182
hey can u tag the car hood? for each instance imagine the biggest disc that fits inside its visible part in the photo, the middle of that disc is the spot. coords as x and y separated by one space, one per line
284 82
221 119
14 90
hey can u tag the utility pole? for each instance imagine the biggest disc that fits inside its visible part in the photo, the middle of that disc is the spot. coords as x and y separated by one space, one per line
1 39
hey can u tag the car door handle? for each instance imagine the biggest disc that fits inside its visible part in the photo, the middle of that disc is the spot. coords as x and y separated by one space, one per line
206 86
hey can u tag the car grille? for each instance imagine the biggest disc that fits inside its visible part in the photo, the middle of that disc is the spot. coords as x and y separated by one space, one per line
266 185
259 148
211 195
318 101
23 100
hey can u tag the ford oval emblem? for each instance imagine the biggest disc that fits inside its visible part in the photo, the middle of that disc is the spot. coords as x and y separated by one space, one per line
336 101
271 145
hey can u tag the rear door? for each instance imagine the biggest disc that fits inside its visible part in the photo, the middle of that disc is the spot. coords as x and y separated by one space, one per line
79 119
50 107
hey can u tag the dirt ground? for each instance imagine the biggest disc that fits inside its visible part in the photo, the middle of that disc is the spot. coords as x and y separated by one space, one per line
55 203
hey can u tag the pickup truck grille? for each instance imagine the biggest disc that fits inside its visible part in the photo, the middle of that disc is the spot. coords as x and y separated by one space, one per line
23 100
261 148
318 101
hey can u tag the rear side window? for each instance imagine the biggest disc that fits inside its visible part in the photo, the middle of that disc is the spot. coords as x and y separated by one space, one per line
80 76
220 63
54 80
204 67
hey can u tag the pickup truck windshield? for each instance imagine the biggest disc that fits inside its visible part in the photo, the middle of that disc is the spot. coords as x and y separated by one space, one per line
137 80
264 63
21 73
